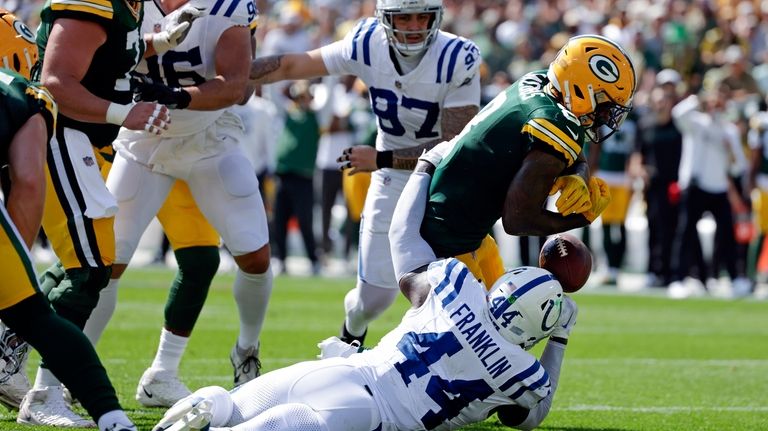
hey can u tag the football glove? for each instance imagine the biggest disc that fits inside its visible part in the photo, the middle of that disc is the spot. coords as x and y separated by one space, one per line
567 320
574 194
333 347
146 90
179 23
600 196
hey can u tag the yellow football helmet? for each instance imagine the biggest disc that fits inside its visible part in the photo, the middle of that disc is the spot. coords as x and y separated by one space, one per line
18 51
596 80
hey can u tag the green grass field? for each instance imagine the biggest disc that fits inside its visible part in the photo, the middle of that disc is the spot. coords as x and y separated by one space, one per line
633 363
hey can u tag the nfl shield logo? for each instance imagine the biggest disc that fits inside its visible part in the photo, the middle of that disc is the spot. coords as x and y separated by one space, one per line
88 160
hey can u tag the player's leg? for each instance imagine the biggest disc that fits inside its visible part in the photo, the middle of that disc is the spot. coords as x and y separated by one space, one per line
196 246
78 219
377 286
140 193
313 396
67 352
226 191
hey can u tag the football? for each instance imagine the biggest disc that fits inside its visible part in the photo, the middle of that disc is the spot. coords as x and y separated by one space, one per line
568 259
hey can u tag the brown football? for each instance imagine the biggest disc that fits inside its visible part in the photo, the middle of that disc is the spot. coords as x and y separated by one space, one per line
568 259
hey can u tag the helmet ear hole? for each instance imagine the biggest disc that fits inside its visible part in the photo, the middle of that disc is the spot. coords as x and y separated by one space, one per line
577 92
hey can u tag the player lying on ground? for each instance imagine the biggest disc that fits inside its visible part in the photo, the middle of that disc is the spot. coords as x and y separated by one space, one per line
457 357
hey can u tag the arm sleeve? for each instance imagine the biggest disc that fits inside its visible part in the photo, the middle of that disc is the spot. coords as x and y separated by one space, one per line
551 360
408 248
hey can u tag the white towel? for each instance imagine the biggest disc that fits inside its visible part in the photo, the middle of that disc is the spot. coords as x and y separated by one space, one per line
99 202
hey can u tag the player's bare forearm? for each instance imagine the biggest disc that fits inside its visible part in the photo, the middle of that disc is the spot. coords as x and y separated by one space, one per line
524 212
263 69
452 123
579 167
305 65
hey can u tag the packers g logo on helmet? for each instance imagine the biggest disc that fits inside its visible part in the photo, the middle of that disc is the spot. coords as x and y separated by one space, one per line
18 51
596 80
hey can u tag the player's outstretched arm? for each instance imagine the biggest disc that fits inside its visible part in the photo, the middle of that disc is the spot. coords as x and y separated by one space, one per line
410 253
273 68
519 417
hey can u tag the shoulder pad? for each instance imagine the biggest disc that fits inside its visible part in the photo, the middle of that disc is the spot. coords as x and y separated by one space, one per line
240 12
458 60
99 8
557 129
360 39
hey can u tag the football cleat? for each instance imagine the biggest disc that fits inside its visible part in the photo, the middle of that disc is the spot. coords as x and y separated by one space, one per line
246 364
192 413
13 390
46 406
160 388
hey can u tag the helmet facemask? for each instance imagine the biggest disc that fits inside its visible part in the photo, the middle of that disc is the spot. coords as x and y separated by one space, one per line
386 18
604 121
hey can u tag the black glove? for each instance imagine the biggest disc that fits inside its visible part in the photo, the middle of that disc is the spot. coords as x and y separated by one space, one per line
146 90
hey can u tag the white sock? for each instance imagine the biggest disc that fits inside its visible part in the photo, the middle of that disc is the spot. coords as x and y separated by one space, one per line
252 293
45 378
109 419
104 310
169 351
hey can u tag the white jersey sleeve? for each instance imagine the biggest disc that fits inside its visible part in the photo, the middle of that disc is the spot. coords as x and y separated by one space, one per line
347 56
463 73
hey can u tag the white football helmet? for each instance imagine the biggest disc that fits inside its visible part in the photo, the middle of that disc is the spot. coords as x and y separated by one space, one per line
385 9
525 304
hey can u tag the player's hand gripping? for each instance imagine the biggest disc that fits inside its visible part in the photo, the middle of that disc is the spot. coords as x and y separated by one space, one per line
179 23
567 320
152 117
600 196
146 90
360 158
574 194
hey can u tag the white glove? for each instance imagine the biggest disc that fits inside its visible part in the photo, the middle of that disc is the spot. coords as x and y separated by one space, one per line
179 23
567 319
333 347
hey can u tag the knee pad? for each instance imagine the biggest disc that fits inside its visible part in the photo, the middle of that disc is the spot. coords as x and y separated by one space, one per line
78 293
290 417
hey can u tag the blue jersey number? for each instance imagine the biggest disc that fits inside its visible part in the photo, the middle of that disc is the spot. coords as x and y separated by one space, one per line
451 395
169 73
385 102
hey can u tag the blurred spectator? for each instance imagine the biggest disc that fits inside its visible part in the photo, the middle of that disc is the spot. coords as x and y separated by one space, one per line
711 142
657 162
296 152
339 98
609 161
262 129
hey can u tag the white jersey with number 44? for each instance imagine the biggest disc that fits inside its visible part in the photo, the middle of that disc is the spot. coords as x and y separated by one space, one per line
446 365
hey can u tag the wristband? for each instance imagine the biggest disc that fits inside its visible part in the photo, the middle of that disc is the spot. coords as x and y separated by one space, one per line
117 113
384 159
560 340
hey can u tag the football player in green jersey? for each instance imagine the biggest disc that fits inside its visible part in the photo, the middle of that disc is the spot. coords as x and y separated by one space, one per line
87 50
27 122
525 145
